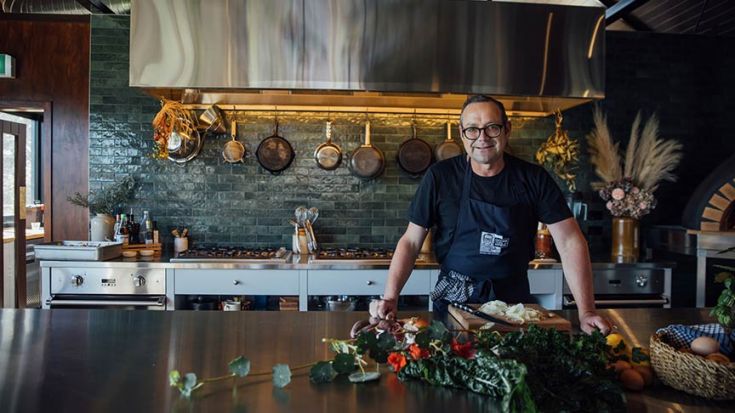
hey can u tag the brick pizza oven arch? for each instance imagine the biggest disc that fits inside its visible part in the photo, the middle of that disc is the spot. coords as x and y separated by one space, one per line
712 205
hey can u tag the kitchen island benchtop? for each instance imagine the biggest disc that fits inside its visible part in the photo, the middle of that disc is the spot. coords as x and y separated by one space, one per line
112 360
297 262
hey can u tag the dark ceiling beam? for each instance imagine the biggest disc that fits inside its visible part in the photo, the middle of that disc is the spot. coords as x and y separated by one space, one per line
95 6
621 9
632 21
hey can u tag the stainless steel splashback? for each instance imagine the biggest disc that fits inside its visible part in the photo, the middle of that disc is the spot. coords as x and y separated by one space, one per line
392 46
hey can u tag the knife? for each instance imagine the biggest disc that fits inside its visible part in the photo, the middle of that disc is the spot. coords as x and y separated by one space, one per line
480 314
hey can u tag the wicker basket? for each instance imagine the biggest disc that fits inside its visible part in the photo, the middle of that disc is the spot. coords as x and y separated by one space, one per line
690 373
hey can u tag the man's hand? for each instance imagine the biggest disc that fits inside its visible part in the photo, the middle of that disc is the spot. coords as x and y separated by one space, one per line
384 309
589 321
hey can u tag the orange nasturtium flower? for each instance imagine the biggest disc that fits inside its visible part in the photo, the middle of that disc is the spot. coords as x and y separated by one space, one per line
418 353
397 361
463 350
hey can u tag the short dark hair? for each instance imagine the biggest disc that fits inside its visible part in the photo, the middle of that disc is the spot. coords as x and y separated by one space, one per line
484 98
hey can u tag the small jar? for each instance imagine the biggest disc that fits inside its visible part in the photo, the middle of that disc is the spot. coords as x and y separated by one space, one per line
544 243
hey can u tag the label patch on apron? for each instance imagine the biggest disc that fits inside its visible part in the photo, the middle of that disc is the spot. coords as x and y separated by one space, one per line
491 244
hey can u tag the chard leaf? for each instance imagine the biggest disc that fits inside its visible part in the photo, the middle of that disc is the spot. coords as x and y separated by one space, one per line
344 363
239 366
386 342
322 372
437 330
281 375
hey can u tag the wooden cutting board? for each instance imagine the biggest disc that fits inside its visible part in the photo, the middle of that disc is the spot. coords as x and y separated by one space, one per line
471 322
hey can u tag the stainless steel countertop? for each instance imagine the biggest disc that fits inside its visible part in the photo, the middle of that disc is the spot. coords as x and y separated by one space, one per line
297 262
118 361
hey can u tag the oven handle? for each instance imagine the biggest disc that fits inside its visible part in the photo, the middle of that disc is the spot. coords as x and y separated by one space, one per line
661 301
158 302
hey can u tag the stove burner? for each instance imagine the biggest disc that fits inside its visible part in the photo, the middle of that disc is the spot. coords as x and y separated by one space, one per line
235 253
356 253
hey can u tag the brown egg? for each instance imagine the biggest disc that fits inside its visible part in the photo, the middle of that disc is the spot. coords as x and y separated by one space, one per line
718 357
705 345
646 372
632 380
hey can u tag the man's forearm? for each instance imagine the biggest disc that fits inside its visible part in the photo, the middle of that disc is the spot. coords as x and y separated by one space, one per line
575 259
401 266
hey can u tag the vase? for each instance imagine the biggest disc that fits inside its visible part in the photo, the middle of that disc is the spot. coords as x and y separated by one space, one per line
101 228
625 240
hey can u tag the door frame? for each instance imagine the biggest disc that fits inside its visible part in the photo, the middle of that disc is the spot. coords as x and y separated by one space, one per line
46 146
18 131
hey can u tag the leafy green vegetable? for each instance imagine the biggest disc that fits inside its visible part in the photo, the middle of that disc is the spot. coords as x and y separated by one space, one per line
639 356
504 380
281 375
564 374
724 310
190 382
322 372
239 366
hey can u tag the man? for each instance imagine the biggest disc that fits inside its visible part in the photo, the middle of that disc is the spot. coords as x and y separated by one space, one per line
486 207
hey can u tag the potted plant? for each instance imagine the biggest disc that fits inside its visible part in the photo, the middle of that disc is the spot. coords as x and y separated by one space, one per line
102 204
628 184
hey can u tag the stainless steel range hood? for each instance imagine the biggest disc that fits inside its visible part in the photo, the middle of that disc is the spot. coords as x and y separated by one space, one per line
385 53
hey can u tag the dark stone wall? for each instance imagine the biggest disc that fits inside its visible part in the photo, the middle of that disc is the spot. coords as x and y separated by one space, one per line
243 204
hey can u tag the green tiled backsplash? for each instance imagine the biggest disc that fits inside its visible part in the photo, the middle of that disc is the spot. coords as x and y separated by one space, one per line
242 204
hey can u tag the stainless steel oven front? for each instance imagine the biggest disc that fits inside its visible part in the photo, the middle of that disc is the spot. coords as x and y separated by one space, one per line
119 288
627 287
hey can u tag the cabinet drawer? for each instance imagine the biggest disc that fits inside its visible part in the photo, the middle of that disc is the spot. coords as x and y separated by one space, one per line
362 282
236 282
544 281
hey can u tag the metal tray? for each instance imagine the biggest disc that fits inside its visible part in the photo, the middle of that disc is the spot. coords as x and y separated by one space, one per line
78 250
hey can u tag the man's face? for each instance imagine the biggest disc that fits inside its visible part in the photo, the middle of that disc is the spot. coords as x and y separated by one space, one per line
484 149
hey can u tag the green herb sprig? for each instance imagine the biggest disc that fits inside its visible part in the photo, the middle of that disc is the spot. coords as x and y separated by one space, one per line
108 199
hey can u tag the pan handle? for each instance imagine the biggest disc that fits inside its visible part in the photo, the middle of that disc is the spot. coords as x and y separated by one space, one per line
367 133
449 131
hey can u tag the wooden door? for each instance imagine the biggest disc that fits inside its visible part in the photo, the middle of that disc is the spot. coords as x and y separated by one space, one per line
13 166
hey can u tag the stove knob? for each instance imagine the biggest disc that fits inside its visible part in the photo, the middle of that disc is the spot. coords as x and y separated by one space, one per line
139 281
370 283
235 282
77 280
641 280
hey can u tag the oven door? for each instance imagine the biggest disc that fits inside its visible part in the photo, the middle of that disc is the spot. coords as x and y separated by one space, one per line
621 301
100 301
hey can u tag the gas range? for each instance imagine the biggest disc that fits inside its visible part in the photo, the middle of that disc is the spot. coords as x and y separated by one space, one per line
354 254
233 254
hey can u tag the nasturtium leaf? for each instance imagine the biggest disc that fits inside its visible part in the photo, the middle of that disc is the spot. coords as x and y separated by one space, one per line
239 366
360 377
344 363
437 330
386 342
281 375
174 378
423 339
380 356
322 372
366 341
190 381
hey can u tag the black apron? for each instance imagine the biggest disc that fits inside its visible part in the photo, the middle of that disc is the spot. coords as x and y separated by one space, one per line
488 246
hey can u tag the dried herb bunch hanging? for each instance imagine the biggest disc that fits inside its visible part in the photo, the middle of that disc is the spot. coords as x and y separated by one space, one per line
173 117
628 184
560 153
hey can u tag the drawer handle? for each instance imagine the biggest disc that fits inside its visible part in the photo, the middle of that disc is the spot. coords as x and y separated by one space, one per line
370 283
235 282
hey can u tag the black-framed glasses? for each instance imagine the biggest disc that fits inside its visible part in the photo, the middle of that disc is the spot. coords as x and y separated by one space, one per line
492 130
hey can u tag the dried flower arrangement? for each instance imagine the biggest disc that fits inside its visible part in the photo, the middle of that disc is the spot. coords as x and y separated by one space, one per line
560 153
628 186
173 117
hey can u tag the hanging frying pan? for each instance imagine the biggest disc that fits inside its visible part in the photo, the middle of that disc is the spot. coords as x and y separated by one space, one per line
414 155
367 161
328 156
449 148
275 153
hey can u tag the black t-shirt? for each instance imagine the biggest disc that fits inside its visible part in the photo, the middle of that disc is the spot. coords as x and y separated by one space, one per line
436 202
